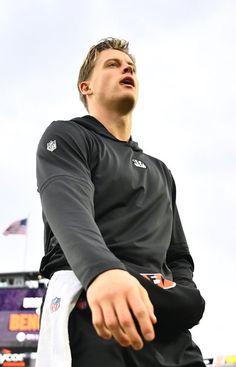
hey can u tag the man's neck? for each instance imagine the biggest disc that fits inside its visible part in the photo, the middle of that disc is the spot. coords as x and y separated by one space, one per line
119 126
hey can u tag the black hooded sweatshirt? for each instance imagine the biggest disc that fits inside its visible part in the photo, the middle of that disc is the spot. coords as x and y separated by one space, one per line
107 205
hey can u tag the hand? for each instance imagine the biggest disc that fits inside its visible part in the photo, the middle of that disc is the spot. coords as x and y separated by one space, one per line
115 298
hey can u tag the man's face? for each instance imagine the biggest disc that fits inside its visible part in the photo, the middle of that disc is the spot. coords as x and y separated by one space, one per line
113 83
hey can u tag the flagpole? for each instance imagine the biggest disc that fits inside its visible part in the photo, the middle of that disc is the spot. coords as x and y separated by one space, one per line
26 244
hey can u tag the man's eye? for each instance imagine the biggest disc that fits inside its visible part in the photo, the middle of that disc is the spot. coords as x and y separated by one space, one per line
112 64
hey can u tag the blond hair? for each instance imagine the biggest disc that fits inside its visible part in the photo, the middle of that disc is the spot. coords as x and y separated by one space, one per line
90 60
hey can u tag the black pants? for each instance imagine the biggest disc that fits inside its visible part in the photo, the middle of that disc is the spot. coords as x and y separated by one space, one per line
172 347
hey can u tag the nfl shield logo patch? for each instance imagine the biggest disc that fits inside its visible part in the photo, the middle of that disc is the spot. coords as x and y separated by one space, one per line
52 145
55 304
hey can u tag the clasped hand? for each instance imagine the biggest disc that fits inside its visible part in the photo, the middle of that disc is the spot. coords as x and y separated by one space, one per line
115 298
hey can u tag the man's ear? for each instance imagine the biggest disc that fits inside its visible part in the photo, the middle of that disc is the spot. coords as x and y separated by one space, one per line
84 88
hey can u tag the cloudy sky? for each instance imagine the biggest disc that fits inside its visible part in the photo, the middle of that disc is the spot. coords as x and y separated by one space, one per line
186 57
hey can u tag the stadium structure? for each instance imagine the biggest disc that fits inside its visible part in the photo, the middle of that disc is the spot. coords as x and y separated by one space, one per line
21 296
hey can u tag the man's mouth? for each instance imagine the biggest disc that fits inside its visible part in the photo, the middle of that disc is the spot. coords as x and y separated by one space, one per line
128 81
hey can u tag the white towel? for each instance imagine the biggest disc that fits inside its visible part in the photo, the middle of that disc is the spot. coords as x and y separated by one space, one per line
62 294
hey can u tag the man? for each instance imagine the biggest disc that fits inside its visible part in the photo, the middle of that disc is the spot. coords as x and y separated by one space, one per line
110 216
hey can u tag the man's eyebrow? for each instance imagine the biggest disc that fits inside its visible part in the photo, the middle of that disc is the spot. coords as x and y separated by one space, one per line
118 60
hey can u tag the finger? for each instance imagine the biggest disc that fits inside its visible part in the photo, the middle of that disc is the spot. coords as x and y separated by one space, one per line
112 324
99 323
149 305
127 324
141 314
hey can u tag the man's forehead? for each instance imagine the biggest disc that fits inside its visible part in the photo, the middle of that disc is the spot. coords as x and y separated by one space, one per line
111 53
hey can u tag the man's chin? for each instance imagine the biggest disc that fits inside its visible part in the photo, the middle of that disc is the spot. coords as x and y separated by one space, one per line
126 104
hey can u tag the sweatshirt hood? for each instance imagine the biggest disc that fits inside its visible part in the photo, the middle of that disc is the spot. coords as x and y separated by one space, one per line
92 124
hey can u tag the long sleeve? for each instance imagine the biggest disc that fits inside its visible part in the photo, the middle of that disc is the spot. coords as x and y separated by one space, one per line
180 262
66 191
179 259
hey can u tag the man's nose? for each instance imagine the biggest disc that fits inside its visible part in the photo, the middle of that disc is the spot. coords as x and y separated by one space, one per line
128 69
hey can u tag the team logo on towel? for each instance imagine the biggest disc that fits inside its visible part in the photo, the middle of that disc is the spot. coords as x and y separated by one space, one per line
52 145
159 280
55 304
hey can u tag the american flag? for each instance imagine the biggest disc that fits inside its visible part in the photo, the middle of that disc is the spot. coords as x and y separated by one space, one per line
17 227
